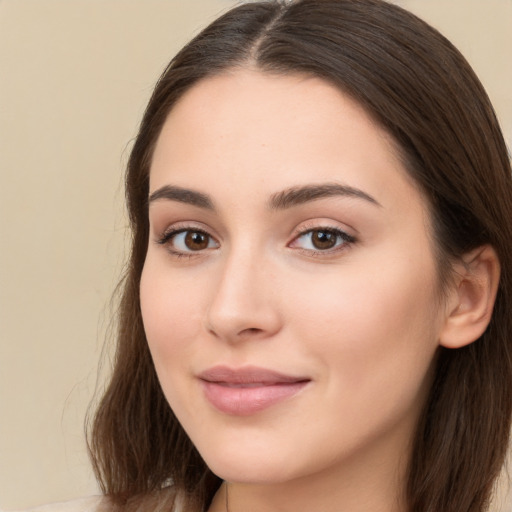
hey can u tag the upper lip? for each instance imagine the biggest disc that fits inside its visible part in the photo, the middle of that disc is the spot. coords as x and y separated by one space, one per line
248 375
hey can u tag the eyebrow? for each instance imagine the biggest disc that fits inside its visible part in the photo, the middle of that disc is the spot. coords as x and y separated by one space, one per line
288 198
299 195
182 195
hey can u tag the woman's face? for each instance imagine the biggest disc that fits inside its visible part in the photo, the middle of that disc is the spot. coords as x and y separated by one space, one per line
289 294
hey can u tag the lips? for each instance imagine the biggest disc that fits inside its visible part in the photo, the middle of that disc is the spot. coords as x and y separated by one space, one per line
248 390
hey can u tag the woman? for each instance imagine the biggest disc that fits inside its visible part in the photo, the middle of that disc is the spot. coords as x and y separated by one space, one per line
316 310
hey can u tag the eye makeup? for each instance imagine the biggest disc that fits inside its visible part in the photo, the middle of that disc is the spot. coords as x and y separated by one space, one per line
318 240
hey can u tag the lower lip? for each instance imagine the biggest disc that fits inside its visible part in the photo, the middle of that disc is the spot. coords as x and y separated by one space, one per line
243 401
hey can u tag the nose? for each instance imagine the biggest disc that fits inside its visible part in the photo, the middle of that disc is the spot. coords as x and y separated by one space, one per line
244 303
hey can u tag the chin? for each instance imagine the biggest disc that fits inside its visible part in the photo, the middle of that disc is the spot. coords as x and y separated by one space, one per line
245 473
242 466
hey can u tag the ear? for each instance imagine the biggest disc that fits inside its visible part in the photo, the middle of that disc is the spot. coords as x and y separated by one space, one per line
471 300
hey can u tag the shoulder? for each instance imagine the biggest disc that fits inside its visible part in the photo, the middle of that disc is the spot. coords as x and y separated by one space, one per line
89 504
165 500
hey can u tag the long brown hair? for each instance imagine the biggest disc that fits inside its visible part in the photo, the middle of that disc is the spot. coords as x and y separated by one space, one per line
423 92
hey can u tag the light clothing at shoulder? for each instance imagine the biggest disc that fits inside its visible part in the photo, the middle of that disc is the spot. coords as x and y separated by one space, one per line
89 504
160 501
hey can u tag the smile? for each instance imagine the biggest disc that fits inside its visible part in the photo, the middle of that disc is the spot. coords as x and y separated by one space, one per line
248 390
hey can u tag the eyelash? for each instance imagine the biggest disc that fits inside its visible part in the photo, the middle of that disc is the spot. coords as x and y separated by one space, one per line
346 239
341 236
170 234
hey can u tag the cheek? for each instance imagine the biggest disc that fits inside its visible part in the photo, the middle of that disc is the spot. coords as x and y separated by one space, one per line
170 313
376 328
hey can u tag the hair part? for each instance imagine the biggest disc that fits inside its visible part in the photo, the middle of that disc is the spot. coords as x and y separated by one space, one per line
413 82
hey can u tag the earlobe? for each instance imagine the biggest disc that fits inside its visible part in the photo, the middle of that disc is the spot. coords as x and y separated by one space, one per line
472 298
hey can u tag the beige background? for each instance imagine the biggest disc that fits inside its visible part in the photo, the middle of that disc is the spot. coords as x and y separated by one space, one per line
74 79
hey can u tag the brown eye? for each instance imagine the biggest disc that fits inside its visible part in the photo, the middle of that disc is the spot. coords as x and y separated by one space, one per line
184 241
323 239
196 241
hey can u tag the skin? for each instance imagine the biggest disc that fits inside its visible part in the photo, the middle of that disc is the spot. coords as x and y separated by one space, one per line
362 320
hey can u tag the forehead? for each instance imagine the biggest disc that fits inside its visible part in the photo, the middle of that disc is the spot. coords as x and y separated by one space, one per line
264 132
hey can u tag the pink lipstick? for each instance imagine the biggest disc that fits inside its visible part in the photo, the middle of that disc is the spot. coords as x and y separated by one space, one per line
248 390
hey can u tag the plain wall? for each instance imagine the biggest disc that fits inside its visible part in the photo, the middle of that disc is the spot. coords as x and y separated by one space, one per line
74 79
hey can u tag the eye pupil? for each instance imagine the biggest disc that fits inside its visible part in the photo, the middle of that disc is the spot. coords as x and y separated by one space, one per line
196 241
323 239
